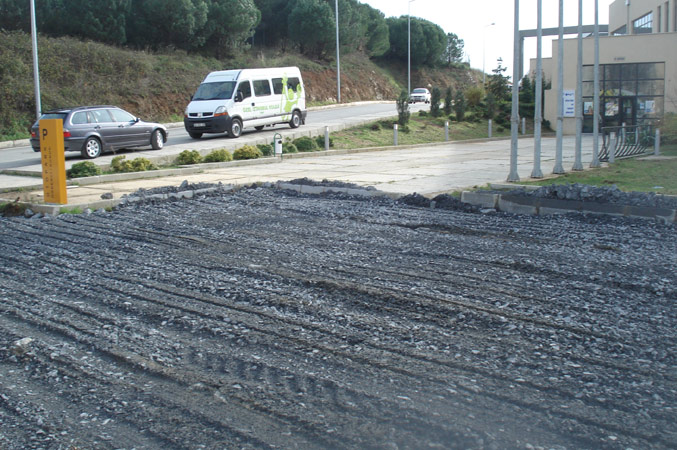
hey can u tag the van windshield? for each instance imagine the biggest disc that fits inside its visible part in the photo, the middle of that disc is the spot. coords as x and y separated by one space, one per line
221 90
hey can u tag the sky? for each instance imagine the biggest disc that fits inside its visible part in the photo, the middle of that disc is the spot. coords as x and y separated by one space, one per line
471 20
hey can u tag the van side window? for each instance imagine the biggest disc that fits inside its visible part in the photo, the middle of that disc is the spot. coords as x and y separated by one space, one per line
245 89
277 86
261 88
292 83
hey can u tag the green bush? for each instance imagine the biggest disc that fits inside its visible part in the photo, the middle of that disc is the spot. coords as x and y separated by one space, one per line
247 152
120 165
289 147
266 149
220 155
83 169
375 126
305 144
423 113
668 128
188 157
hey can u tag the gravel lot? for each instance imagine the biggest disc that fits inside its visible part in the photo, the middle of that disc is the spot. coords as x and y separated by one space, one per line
261 319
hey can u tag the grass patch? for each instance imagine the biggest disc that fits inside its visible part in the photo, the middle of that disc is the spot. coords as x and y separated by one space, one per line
422 130
633 174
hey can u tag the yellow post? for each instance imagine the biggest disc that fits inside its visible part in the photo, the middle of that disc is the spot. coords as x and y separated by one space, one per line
53 161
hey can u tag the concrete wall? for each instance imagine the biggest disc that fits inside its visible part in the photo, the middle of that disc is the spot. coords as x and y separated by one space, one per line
613 50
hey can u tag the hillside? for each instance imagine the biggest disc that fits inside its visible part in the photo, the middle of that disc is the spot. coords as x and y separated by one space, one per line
157 85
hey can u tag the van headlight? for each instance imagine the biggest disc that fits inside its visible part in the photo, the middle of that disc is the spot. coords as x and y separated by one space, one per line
220 111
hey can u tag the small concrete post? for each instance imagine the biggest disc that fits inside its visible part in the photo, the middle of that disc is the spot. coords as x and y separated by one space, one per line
612 147
489 126
657 143
446 131
623 133
395 134
326 138
524 126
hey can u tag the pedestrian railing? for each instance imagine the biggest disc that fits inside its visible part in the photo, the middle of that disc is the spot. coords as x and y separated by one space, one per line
625 141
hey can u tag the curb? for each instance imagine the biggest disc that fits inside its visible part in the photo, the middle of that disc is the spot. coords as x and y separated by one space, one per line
518 204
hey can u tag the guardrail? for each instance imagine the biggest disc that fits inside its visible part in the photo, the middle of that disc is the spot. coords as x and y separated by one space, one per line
626 141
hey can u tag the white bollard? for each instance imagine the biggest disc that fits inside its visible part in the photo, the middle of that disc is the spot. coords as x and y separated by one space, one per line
490 122
395 134
446 131
524 126
326 138
657 143
612 147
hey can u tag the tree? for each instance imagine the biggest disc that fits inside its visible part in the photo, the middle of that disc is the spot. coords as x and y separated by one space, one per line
311 26
428 41
497 83
378 33
179 23
459 105
403 113
454 51
229 24
435 100
448 101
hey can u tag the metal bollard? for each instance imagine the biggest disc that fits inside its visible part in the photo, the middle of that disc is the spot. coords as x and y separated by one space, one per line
395 134
524 126
657 143
326 138
446 131
490 122
612 148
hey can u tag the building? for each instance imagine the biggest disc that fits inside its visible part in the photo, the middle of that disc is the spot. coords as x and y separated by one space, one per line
638 67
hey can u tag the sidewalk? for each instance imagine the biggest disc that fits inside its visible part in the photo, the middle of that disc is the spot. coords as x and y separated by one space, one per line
429 170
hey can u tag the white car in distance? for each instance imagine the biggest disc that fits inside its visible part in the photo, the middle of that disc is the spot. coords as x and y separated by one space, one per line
419 95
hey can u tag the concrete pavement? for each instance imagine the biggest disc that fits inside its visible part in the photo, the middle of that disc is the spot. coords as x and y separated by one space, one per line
428 169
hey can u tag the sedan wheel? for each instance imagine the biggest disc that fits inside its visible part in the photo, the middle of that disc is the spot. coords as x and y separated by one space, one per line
157 140
91 149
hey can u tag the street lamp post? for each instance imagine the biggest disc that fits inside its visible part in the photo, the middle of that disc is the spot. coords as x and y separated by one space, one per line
484 38
36 73
409 48
338 57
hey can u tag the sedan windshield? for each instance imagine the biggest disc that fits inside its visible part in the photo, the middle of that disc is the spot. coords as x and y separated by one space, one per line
221 90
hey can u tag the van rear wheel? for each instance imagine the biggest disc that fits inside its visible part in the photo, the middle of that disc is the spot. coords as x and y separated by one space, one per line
295 121
235 129
195 135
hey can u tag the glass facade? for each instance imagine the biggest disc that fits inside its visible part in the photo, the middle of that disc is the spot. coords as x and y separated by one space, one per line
629 93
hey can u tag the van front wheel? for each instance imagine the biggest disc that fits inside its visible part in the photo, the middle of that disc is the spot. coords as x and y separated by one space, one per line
235 129
295 121
195 135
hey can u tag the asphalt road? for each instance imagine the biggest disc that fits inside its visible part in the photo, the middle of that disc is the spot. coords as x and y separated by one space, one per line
334 117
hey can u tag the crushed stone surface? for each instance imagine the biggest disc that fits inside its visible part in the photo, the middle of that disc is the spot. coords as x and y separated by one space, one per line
261 318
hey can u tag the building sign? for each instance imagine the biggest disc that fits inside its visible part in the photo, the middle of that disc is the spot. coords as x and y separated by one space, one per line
569 103
53 161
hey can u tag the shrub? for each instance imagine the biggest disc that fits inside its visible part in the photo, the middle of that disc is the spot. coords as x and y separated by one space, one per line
459 105
289 147
266 149
188 157
668 128
247 152
375 126
448 101
403 113
305 144
120 165
435 99
220 155
474 96
423 113
83 169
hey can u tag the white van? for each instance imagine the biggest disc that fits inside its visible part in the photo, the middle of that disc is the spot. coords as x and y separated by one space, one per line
231 100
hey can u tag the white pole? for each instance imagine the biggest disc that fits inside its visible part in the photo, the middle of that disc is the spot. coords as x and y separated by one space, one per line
514 117
36 71
578 165
338 57
596 111
538 108
560 91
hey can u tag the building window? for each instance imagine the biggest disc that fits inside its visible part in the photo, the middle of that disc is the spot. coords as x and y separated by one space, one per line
629 93
660 19
621 31
644 24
